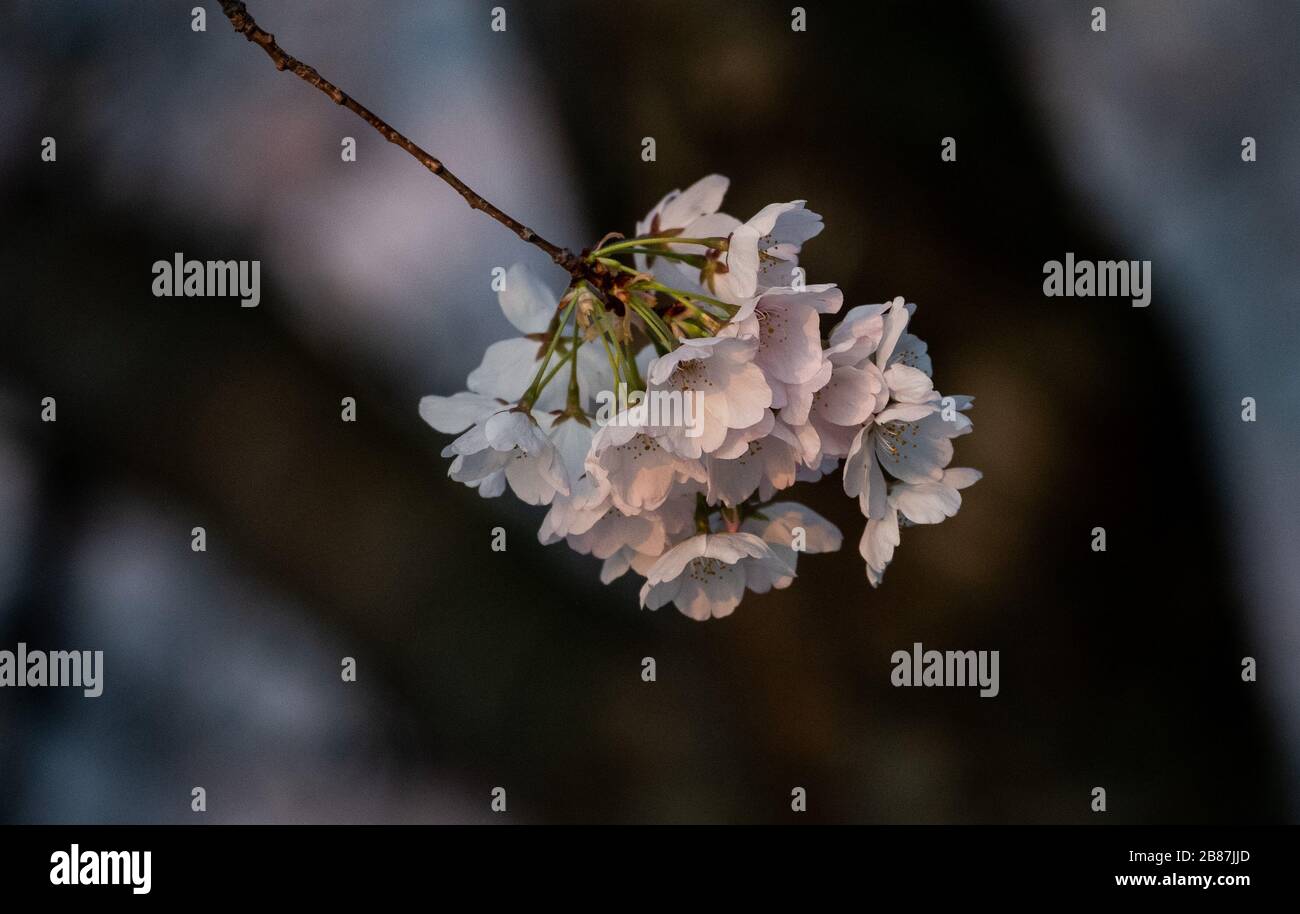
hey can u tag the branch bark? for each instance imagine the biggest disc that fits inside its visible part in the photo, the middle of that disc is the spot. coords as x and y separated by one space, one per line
237 12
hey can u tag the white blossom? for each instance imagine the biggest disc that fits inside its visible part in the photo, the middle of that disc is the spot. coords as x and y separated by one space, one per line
509 365
635 468
711 313
704 576
721 374
929 502
779 527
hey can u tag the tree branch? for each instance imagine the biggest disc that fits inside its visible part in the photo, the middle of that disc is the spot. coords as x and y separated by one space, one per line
244 23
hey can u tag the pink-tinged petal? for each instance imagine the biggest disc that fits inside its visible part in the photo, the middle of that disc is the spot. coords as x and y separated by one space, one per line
876 496
855 463
712 595
820 535
615 567
673 562
825 298
926 503
910 385
492 485
732 481
789 342
737 442
878 542
801 396
895 324
834 439
907 412
741 278
661 369
803 440
780 466
732 547
858 334
850 397
655 595
748 397
961 477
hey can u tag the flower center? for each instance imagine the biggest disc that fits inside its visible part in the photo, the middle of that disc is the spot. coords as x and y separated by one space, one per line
639 445
896 436
704 568
691 374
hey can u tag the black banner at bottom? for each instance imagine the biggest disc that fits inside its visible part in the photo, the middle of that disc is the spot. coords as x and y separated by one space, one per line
331 863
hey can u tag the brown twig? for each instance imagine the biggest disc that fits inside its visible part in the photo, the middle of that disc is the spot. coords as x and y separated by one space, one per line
244 23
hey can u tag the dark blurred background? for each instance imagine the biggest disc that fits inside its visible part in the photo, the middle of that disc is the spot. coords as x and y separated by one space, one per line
518 669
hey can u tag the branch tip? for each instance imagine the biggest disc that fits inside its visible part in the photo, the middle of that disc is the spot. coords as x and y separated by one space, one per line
244 23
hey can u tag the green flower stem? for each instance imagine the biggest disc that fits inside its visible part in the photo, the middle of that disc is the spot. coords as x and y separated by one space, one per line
530 396
609 353
696 303
692 329
617 265
654 323
634 373
607 337
574 401
648 242
695 260
688 298
568 356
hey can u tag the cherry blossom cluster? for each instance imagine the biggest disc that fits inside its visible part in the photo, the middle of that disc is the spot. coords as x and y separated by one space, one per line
710 318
